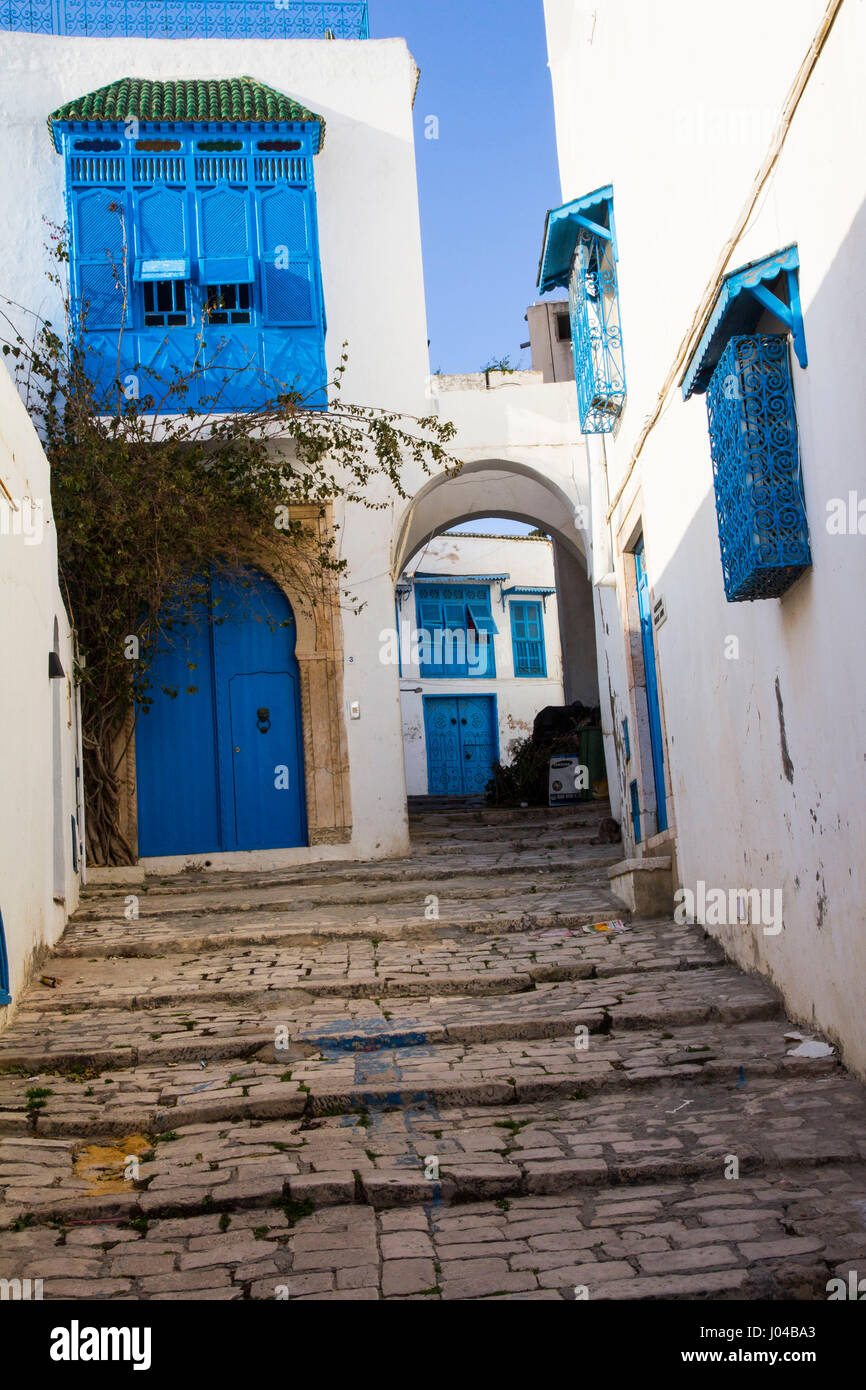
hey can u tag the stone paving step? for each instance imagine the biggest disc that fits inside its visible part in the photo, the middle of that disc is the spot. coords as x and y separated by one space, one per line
443 964
779 1236
113 1038
290 898
423 1155
157 893
426 829
580 902
486 841
424 812
156 1098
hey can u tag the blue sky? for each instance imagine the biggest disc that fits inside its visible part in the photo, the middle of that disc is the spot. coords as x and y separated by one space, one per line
487 182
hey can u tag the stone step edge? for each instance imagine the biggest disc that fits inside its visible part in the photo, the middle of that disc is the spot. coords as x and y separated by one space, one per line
311 935
545 877
397 986
401 1186
592 1078
599 1021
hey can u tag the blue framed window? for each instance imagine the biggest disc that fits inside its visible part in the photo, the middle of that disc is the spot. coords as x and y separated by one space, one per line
5 994
194 247
527 639
165 303
580 254
456 632
743 365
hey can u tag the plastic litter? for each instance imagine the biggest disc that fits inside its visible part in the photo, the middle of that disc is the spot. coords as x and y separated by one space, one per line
811 1047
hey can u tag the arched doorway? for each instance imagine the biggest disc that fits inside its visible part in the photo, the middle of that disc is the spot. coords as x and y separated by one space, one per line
219 753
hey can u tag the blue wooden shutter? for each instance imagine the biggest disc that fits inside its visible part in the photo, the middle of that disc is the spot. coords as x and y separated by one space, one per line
455 615
430 613
99 216
518 621
288 262
482 617
224 237
527 637
161 237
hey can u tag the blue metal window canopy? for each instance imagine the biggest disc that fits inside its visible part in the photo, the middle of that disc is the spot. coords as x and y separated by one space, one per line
144 269
580 254
189 19
763 531
532 592
460 578
742 300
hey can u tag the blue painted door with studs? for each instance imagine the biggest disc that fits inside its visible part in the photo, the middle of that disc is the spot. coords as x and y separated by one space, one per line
220 762
652 690
462 743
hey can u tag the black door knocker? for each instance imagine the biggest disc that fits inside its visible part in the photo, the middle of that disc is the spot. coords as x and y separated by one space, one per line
263 719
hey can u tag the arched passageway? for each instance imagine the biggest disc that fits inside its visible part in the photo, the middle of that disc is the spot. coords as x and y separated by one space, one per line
533 613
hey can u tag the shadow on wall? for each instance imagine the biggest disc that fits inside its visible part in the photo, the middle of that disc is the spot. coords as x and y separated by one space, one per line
764 701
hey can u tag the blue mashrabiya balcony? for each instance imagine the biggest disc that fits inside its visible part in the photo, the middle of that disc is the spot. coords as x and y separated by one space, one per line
580 255
193 242
742 364
188 19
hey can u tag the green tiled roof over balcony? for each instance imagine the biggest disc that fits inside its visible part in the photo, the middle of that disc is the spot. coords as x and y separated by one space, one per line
236 100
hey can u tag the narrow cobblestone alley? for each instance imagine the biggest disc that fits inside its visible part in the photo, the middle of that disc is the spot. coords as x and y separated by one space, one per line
302 1084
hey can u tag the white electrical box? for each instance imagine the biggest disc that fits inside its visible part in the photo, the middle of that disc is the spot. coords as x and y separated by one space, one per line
565 781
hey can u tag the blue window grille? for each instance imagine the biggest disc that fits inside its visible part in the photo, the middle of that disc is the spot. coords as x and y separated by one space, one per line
527 639
763 531
626 741
5 995
195 249
189 19
580 254
743 365
456 632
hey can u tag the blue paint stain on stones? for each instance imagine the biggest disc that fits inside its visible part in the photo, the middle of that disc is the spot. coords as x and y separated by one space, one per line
363 1035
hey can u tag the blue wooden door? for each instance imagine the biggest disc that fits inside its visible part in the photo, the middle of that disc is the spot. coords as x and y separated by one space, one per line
462 745
652 691
444 773
220 763
265 797
478 741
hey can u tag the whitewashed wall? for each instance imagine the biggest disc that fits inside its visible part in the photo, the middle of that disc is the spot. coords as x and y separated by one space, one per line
37 788
689 95
527 562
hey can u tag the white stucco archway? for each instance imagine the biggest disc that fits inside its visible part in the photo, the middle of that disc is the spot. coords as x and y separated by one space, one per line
492 487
